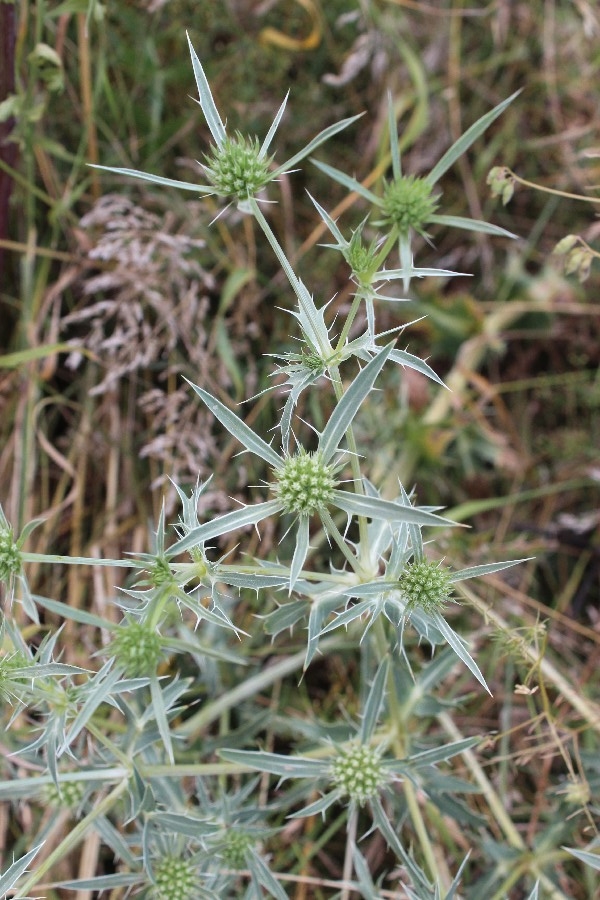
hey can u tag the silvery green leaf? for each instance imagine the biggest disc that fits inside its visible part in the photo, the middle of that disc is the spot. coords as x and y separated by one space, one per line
590 859
237 428
9 878
440 754
351 183
458 645
465 140
156 179
487 569
414 362
250 580
184 823
99 689
262 874
374 508
314 143
104 882
247 515
535 892
285 617
389 832
345 411
331 224
300 550
277 764
318 807
211 113
320 609
471 225
393 274
65 611
373 702
271 132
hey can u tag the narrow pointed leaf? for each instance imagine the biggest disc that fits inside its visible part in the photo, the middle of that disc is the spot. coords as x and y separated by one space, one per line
442 754
211 113
316 142
264 876
300 550
156 179
590 859
9 878
346 409
247 515
458 645
373 702
277 764
330 223
476 571
271 132
374 508
413 362
471 225
237 428
351 183
465 140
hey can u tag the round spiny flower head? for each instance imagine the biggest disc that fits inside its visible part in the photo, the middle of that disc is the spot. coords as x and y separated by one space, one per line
305 483
137 648
408 203
237 169
235 845
426 586
67 795
175 879
358 773
10 556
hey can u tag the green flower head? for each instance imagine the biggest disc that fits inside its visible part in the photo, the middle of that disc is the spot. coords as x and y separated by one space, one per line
238 168
137 647
426 586
408 203
358 773
175 879
305 483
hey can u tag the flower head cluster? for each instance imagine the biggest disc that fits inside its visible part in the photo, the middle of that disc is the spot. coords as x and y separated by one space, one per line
427 586
305 483
175 878
238 168
358 773
408 203
137 648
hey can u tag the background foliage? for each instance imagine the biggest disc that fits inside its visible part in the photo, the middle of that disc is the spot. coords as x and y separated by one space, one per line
111 291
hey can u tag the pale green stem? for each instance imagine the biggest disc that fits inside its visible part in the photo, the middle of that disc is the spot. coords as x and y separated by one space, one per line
401 749
334 532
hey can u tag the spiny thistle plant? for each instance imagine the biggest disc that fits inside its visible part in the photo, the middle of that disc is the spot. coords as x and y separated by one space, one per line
132 748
